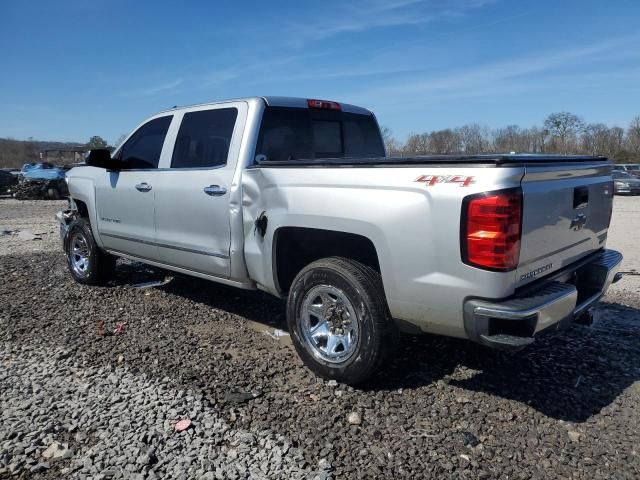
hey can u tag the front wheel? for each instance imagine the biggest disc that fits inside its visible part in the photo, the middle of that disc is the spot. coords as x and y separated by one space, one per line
87 263
339 320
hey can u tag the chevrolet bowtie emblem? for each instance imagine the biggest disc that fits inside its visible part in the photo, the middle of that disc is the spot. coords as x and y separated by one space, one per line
579 222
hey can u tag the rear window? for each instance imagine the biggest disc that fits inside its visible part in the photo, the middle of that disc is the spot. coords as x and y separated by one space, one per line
299 133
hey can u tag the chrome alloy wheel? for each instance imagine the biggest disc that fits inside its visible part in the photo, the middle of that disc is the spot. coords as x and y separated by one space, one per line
79 254
329 324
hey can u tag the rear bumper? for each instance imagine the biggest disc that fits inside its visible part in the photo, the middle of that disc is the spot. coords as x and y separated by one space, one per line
512 323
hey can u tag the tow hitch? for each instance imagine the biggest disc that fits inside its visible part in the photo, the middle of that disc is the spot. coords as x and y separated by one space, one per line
585 319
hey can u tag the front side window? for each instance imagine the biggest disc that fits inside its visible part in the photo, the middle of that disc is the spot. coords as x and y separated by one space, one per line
142 150
204 138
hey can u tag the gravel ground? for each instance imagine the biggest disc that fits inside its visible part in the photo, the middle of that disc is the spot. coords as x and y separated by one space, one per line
28 226
80 401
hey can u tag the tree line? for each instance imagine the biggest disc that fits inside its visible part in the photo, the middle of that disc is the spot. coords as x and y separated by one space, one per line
15 153
561 133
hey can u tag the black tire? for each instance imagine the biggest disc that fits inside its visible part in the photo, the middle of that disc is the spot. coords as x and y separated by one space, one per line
99 266
362 287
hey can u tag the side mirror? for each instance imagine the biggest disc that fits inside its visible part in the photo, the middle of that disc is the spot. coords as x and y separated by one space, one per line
101 158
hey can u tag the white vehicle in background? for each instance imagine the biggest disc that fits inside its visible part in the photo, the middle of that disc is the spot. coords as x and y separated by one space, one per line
297 198
630 168
625 184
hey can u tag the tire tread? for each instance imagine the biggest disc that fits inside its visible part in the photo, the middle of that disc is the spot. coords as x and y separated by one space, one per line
103 263
385 340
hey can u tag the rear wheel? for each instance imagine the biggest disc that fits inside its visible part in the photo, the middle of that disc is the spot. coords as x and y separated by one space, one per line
339 320
87 263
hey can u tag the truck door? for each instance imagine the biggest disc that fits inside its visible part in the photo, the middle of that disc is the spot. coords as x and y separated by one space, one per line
192 195
125 198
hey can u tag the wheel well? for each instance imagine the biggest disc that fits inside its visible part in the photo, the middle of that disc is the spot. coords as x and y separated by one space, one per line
297 247
82 208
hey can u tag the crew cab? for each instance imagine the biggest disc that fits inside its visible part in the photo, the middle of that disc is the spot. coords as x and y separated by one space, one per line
296 197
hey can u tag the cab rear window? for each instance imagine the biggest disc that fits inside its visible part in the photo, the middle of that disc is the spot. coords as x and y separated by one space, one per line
301 134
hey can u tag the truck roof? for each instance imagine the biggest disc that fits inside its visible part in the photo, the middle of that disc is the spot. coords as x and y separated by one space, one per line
274 101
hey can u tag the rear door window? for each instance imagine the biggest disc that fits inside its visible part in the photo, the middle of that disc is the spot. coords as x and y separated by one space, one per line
142 150
204 138
299 133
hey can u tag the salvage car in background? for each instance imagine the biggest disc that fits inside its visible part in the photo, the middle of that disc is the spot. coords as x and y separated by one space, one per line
625 184
41 181
8 181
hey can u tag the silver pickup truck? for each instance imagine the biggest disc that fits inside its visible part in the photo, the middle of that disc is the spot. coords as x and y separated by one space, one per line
296 197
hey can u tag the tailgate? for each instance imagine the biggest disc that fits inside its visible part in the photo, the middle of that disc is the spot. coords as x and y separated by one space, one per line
565 216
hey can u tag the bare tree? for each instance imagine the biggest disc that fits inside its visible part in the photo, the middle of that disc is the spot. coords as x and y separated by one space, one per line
444 141
512 138
616 141
633 137
474 139
595 139
417 144
564 128
538 140
391 145
599 139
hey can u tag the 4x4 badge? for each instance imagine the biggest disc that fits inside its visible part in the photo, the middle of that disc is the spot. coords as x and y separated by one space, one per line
431 180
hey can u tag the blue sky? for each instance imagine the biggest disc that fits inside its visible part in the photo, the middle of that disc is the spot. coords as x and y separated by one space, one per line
76 68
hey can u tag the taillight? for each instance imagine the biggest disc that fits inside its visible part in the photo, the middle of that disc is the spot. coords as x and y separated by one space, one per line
324 104
491 229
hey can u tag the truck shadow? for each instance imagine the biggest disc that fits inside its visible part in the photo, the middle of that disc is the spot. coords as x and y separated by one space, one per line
256 306
570 375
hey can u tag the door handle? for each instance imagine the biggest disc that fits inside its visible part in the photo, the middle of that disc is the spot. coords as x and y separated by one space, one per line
214 190
143 187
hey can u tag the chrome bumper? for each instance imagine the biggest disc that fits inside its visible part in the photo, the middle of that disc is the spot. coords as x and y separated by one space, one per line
512 323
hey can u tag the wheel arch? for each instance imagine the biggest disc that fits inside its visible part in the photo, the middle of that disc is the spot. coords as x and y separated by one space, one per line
83 193
294 247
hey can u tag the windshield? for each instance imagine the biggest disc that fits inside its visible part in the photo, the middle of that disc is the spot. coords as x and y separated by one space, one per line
301 133
633 167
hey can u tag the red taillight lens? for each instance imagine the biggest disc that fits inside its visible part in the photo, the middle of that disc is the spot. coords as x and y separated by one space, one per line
491 230
325 104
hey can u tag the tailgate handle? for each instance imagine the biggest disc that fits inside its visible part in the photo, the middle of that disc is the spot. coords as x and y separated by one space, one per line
580 197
